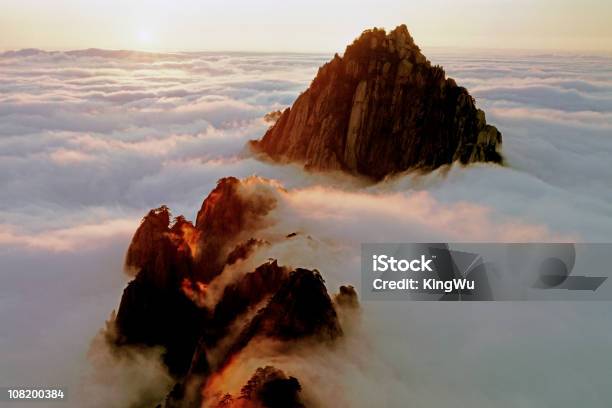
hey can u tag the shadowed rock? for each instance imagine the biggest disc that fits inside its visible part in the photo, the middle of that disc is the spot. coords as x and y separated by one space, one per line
380 109
171 259
245 293
154 311
301 308
267 388
229 213
160 253
347 297
172 302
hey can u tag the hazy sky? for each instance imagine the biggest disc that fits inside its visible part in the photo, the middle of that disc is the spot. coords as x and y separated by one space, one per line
314 25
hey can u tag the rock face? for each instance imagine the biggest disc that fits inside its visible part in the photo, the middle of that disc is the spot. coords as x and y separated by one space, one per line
154 311
268 387
171 260
184 300
301 308
245 293
225 220
381 108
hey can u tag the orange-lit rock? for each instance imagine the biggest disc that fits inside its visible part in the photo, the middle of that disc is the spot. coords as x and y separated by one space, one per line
268 387
380 109
203 320
228 215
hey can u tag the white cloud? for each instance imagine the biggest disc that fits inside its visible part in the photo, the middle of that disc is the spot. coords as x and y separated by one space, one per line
90 140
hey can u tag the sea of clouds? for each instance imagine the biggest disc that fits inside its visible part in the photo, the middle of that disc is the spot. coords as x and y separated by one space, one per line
91 140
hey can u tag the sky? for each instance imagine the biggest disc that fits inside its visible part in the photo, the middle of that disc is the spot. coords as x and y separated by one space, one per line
304 26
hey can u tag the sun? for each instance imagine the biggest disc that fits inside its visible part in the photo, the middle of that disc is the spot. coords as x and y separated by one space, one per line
144 38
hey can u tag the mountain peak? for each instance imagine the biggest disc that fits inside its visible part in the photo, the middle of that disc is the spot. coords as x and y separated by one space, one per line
396 40
379 109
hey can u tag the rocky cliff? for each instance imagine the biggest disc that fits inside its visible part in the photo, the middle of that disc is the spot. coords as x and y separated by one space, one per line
192 297
381 108
268 387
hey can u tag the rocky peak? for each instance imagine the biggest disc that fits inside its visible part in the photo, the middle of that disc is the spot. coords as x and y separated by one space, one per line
300 308
160 252
380 109
227 216
171 259
269 387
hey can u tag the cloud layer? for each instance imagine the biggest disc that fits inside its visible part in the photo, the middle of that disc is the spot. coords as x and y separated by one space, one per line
90 140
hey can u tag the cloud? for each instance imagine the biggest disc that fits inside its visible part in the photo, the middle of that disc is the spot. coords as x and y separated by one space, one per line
71 239
91 140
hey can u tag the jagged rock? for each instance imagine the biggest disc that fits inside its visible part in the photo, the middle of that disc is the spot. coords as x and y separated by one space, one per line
154 310
172 260
167 302
246 292
267 388
379 109
300 309
230 209
162 254
347 297
229 212
152 316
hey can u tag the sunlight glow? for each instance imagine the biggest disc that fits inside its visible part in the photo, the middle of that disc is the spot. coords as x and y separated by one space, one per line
144 38
302 26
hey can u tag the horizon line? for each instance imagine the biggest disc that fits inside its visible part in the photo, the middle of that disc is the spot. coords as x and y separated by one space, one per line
597 52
